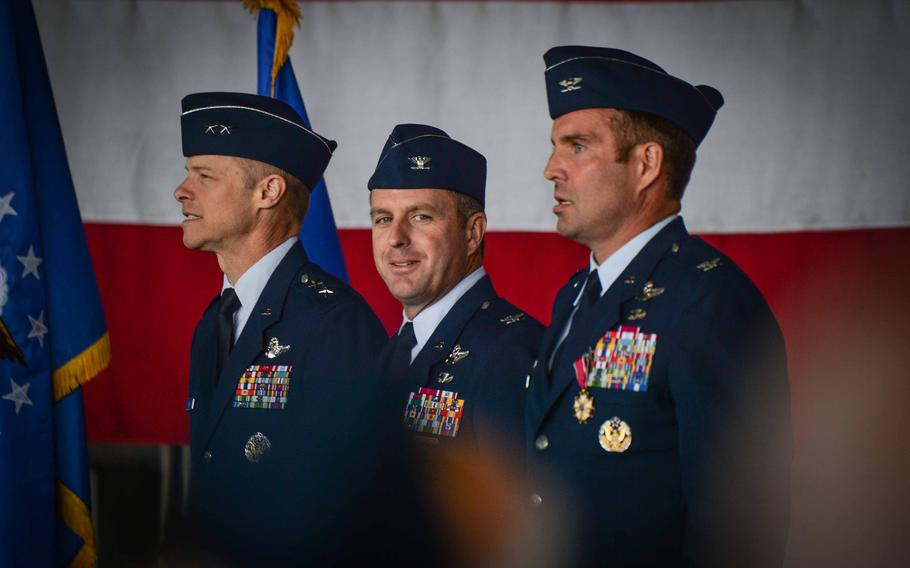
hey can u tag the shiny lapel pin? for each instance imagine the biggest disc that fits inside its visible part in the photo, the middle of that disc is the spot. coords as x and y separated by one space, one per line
636 314
614 435
256 447
649 292
456 355
275 349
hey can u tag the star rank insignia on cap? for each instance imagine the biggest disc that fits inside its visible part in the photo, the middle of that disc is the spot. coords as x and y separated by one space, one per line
570 84
420 162
218 129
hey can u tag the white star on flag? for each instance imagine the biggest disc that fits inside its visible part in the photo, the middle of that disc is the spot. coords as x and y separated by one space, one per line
6 207
38 328
18 395
30 263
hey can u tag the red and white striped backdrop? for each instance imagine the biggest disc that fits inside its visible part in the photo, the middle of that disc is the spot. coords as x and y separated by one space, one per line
802 179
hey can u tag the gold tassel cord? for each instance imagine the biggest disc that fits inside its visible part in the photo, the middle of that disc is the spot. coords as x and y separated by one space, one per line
288 16
75 515
82 368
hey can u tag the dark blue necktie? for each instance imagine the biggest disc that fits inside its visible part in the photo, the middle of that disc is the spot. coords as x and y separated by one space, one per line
401 355
589 297
228 304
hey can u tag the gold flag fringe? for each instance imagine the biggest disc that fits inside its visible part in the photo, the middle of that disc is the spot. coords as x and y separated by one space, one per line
288 13
76 516
82 368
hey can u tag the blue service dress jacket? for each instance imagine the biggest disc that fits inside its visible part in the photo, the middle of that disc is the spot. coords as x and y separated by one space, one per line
481 352
278 439
683 457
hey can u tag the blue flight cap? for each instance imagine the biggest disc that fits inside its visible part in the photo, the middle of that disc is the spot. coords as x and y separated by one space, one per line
254 127
580 77
418 156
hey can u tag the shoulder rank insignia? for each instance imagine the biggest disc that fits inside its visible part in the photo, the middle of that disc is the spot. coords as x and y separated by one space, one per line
513 318
708 264
649 292
275 349
615 435
319 286
456 355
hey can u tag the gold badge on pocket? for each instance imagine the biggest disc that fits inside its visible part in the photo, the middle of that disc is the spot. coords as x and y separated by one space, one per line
615 435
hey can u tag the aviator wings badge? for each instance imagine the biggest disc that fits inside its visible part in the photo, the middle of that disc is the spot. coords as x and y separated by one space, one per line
456 355
275 349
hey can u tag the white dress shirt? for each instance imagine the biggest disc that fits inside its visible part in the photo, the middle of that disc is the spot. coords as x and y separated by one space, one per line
252 282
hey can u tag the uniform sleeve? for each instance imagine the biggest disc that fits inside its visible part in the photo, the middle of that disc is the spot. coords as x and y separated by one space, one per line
728 381
500 418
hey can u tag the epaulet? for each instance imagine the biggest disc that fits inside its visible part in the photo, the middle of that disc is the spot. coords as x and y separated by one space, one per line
321 286
503 313
697 255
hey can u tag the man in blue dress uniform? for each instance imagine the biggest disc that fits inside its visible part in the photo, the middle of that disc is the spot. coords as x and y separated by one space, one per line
460 359
659 411
281 361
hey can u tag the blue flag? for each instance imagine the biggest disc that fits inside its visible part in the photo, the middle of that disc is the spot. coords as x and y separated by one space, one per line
49 302
319 234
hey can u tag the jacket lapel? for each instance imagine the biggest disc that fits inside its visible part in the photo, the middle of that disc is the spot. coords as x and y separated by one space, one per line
252 339
606 312
448 331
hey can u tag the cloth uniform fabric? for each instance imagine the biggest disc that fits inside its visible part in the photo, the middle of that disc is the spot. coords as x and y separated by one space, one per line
704 481
501 342
263 477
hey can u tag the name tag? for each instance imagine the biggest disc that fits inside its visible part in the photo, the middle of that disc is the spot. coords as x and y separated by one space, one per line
263 386
621 360
432 411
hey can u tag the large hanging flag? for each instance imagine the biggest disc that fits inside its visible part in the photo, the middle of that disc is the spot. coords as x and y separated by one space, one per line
49 302
276 78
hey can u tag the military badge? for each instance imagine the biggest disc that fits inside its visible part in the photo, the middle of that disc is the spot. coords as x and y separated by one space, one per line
621 360
256 447
615 435
708 264
444 378
435 412
636 314
649 292
456 355
263 386
583 406
275 349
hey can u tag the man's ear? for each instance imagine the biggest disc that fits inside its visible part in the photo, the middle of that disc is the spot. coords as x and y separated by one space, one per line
475 229
270 190
649 161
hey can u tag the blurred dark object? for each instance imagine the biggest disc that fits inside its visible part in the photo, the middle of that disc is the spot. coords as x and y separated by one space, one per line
8 348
